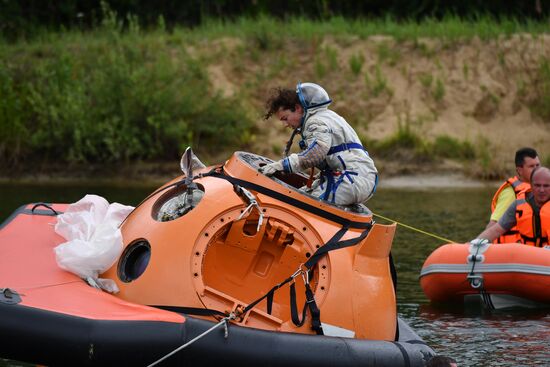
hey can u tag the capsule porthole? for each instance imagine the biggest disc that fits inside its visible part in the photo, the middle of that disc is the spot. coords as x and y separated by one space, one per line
134 261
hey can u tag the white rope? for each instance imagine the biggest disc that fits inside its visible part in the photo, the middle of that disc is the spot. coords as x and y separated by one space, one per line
222 322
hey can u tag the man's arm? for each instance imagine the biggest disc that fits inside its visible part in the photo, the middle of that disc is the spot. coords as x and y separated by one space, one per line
490 224
492 232
318 140
505 198
507 221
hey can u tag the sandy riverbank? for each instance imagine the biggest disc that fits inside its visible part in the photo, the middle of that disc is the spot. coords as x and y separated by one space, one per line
433 181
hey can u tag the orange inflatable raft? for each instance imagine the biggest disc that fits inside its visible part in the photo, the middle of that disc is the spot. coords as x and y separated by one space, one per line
500 275
291 279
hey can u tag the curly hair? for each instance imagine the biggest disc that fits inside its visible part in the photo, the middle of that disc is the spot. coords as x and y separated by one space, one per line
280 97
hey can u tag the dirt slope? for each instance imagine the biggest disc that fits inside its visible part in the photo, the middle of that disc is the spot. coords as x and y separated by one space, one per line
475 91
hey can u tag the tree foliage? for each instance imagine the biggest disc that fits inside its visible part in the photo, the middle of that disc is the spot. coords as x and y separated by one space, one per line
21 18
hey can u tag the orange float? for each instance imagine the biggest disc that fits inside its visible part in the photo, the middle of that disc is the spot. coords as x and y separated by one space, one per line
223 244
500 275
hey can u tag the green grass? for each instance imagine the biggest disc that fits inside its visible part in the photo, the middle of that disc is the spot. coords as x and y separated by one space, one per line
356 62
326 61
405 144
387 54
110 96
377 83
120 93
465 71
540 103
426 80
451 27
438 91
320 68
487 166
448 147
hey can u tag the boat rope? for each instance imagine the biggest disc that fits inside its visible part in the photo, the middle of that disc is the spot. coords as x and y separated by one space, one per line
476 279
486 298
415 229
304 269
51 285
223 322
333 244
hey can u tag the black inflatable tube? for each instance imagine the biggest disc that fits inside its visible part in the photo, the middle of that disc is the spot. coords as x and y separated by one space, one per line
55 339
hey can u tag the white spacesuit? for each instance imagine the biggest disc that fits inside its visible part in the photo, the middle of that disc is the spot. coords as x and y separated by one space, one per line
348 175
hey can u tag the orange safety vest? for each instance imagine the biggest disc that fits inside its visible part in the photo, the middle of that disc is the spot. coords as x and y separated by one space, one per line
520 188
534 228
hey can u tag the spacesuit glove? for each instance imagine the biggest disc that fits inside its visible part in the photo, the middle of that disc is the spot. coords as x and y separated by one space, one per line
271 168
479 242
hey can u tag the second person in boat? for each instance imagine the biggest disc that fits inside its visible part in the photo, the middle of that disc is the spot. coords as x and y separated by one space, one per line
530 213
526 161
348 175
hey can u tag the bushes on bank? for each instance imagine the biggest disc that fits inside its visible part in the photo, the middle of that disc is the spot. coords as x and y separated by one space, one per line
115 93
110 97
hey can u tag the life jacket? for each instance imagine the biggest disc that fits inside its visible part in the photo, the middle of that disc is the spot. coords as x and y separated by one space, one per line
533 227
520 188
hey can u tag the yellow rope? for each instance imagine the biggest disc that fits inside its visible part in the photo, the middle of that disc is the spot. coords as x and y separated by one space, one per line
415 229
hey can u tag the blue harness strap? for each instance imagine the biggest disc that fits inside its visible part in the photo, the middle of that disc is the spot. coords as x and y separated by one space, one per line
329 178
332 184
375 185
344 146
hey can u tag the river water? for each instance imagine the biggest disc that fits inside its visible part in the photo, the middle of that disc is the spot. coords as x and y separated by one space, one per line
471 335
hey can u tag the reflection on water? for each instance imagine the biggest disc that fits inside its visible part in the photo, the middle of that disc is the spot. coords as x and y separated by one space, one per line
472 336
478 338
458 215
13 196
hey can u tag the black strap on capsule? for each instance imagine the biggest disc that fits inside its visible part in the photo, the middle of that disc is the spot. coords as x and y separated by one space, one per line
334 243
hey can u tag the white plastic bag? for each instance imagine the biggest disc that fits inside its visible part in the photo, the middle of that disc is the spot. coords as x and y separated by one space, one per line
94 241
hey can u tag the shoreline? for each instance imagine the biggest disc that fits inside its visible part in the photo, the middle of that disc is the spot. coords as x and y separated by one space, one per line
434 181
392 175
437 180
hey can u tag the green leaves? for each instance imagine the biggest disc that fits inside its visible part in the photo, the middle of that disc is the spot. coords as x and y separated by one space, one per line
110 101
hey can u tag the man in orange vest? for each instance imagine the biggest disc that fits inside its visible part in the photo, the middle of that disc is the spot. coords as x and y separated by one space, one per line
529 213
526 161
